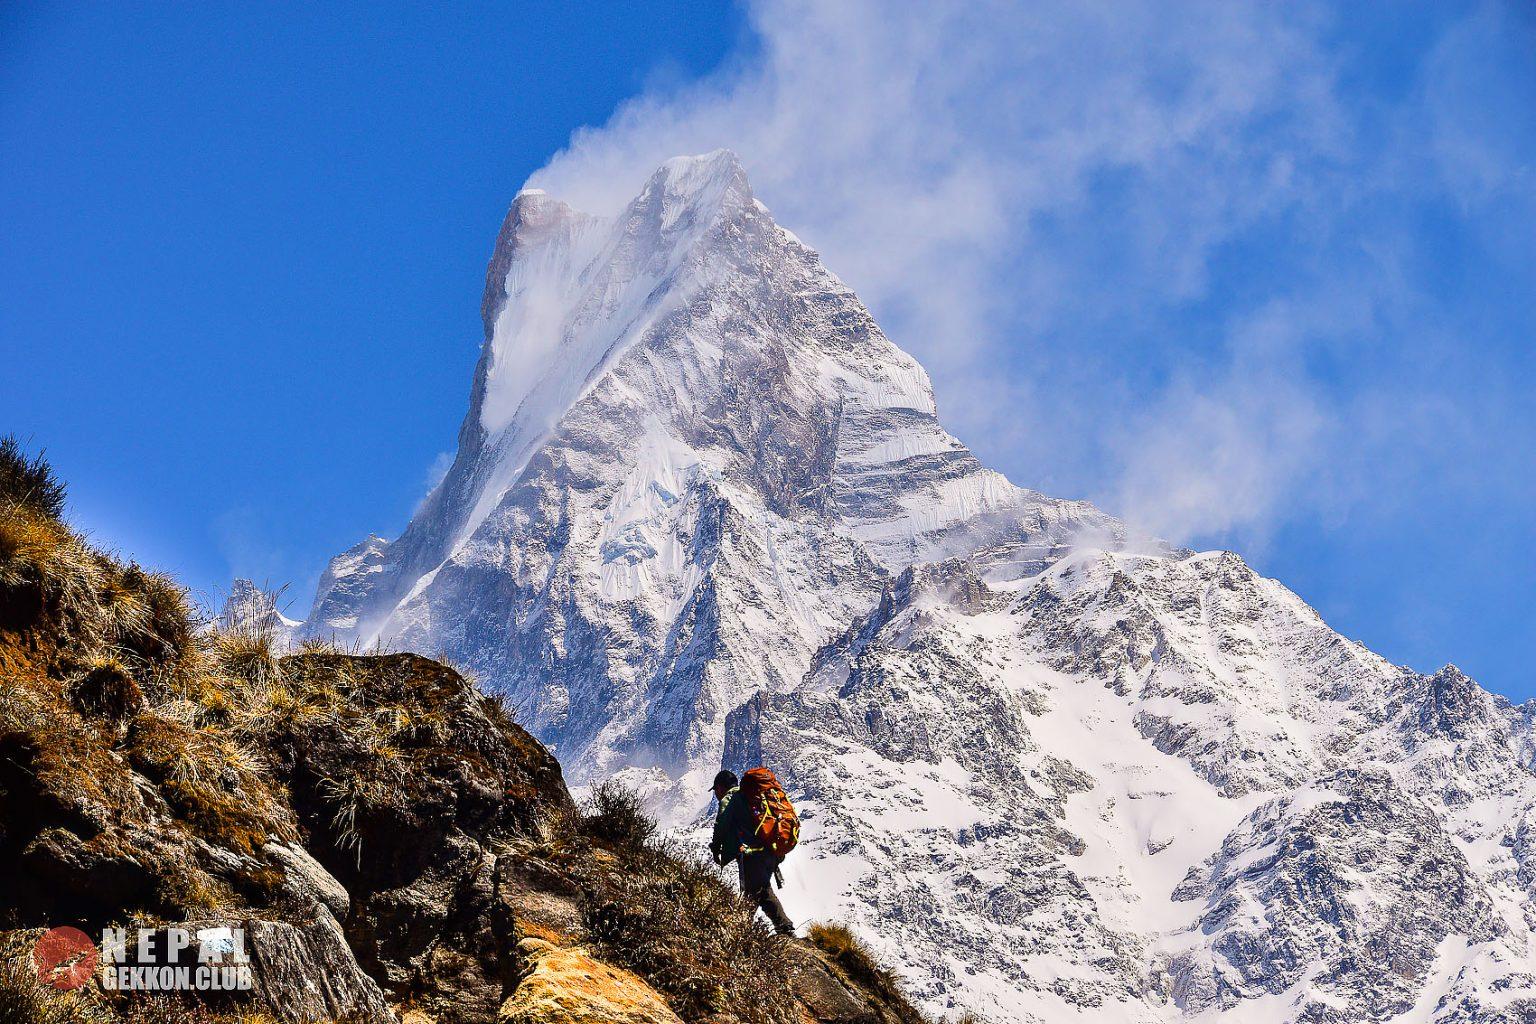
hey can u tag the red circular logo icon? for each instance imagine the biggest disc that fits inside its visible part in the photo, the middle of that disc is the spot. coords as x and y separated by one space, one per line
65 958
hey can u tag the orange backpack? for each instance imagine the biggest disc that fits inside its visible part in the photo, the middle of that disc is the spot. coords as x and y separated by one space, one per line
776 826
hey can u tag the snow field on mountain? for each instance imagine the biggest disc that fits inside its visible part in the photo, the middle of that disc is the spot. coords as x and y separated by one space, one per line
704 513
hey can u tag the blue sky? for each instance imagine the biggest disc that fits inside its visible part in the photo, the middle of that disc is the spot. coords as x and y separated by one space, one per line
243 254
1258 276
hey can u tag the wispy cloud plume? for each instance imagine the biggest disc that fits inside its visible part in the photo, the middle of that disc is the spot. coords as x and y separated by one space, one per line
1141 248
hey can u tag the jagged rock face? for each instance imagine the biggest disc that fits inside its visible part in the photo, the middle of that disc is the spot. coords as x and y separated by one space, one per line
302 973
703 513
1349 883
1156 788
344 586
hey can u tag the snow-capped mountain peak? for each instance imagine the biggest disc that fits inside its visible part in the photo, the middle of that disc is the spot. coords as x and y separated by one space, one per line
703 512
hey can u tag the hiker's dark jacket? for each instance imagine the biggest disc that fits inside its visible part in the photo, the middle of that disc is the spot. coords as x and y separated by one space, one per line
733 828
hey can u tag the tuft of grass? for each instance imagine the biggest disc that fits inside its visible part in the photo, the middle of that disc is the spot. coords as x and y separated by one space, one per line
46 572
316 645
54 586
193 893
29 482
246 654
107 690
166 628
376 784
217 786
47 576
499 707
837 939
614 815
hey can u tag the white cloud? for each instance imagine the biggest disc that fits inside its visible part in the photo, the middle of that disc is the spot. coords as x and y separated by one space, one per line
1025 194
441 463
248 540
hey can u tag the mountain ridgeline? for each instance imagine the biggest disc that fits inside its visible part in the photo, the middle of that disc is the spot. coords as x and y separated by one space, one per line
703 513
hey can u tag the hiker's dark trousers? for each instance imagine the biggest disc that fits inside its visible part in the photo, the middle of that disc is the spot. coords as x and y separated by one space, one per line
757 886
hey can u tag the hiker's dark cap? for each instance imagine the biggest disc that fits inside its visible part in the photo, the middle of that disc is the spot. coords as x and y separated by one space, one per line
725 780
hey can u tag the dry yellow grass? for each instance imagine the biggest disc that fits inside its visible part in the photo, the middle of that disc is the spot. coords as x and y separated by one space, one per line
104 663
566 986
24 1000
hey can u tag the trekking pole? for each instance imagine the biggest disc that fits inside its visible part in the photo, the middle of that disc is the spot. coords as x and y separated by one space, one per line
778 876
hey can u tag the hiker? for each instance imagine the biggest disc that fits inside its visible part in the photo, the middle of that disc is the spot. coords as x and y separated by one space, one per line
755 826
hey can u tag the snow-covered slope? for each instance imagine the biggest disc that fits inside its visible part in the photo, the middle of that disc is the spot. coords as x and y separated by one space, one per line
1156 788
703 512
